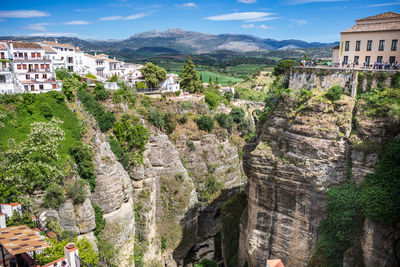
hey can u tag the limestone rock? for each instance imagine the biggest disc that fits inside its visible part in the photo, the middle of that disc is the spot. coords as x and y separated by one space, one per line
85 218
67 216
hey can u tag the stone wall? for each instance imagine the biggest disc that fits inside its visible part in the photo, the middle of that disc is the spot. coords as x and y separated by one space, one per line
352 80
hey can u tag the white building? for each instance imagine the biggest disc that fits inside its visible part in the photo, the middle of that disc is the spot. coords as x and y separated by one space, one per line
96 64
170 84
32 71
67 56
7 85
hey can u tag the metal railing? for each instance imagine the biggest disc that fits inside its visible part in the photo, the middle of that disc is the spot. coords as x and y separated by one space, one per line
82 263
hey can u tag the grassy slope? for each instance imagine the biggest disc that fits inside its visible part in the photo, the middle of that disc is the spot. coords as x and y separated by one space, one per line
20 116
223 79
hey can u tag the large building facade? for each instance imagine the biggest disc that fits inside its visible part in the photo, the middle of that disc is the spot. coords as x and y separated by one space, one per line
371 40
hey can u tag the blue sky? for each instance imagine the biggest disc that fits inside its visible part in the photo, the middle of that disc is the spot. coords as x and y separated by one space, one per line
309 20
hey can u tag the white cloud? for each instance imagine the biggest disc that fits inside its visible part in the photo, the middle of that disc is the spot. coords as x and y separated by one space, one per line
85 9
299 21
54 34
299 2
39 27
247 1
262 26
385 4
190 4
245 16
23 14
76 22
130 17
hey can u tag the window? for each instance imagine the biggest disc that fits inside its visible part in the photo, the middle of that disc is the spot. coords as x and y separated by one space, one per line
25 54
54 86
2 78
15 54
24 66
346 60
19 66
33 55
381 45
41 86
47 66
379 59
20 55
44 76
26 87
394 45
42 66
369 45
356 59
36 76
392 60
347 46
2 55
38 54
36 66
367 60
358 44
28 77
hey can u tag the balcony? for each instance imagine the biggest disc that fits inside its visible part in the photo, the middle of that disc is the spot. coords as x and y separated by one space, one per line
30 59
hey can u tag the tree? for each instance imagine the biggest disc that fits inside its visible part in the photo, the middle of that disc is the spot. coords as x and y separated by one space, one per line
140 85
283 66
100 92
54 196
189 78
237 114
70 84
201 77
225 121
334 93
212 100
205 122
153 74
32 164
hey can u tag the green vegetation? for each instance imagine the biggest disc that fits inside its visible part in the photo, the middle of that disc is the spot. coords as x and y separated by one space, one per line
133 137
118 151
231 212
100 221
249 94
224 80
90 76
70 84
380 191
189 78
334 93
205 123
153 74
212 187
212 99
382 103
206 263
141 85
237 114
54 196
56 251
77 191
164 121
83 156
100 93
225 121
125 95
24 219
284 66
105 119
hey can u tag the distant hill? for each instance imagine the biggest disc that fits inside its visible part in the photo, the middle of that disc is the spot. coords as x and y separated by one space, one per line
178 41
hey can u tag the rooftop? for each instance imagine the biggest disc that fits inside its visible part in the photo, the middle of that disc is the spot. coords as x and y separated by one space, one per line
20 239
26 45
56 44
389 21
48 49
3 47
386 15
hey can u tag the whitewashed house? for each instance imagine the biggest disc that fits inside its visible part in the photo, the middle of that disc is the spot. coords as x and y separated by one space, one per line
96 64
170 84
7 85
33 72
67 56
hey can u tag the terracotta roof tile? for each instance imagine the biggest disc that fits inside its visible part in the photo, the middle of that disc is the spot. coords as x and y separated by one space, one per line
3 46
48 49
386 15
374 27
26 45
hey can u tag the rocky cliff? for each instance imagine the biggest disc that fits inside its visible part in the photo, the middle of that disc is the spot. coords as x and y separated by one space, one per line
303 148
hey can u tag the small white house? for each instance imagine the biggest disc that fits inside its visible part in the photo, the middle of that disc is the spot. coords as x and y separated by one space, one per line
170 84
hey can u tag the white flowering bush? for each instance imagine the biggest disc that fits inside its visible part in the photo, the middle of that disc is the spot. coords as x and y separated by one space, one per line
32 164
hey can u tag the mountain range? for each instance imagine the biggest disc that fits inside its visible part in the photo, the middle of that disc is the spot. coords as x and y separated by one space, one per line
178 41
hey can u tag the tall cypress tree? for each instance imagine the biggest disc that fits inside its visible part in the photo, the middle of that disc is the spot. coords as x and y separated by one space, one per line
190 80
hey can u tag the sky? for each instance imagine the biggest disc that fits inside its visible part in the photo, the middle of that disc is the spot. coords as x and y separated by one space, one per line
308 20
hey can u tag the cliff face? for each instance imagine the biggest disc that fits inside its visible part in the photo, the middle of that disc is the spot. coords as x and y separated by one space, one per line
299 152
303 148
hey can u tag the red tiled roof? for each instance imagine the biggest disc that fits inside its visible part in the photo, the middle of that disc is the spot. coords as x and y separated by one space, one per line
275 263
48 49
14 204
2 47
386 15
374 27
26 45
52 263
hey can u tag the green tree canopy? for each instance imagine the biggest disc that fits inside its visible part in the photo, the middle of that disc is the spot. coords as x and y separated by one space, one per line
153 74
190 80
283 66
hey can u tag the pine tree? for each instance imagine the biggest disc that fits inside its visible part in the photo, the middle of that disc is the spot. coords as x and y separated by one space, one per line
189 78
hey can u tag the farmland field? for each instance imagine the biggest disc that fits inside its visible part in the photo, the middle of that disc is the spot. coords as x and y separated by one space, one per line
222 79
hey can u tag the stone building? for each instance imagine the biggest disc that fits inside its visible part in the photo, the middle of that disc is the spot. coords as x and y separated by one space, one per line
372 39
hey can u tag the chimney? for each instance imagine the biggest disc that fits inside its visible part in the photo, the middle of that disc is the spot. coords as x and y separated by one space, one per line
95 53
56 40
114 58
2 220
71 253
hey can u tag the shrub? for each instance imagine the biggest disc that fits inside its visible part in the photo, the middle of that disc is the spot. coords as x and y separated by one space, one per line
54 196
106 121
334 93
118 151
90 76
178 93
205 123
77 191
206 263
100 221
380 191
212 187
247 127
83 156
24 219
225 121
141 85
62 74
100 92
170 123
212 100
156 117
237 114
283 66
183 119
191 145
